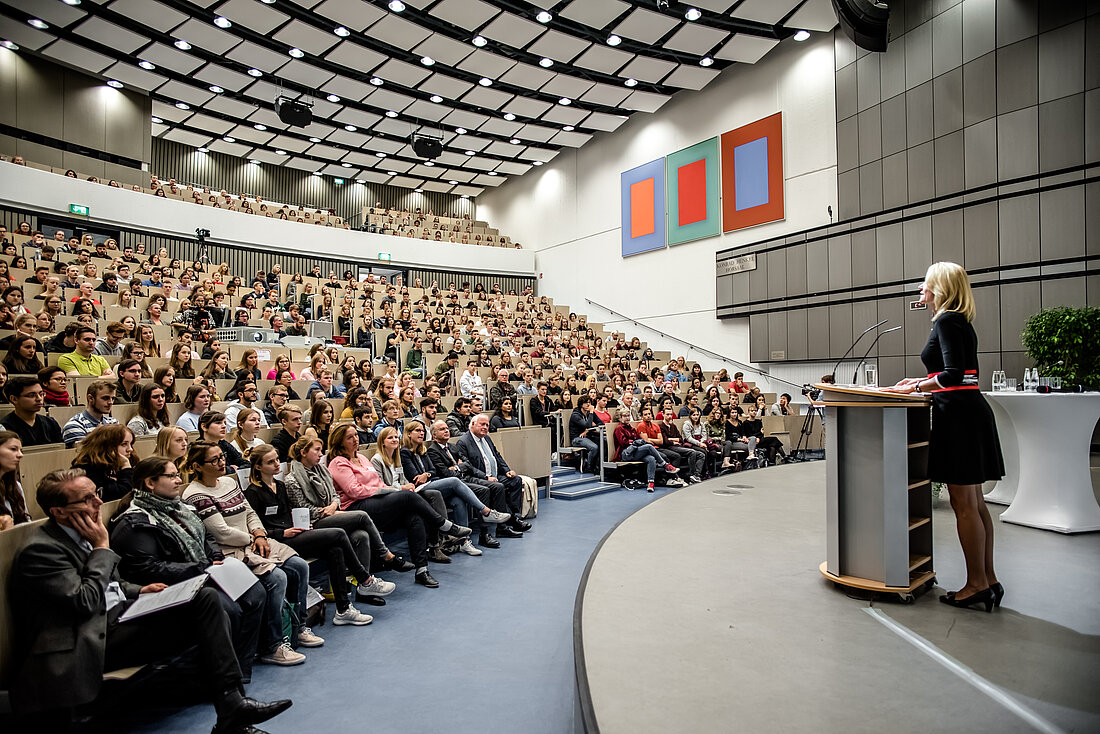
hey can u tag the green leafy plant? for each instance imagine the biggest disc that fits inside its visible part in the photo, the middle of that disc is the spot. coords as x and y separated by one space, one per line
1065 342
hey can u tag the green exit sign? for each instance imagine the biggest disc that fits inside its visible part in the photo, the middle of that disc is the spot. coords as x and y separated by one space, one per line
81 209
384 256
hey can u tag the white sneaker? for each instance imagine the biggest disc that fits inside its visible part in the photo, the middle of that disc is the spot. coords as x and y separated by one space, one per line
306 638
469 549
376 587
496 517
284 654
351 615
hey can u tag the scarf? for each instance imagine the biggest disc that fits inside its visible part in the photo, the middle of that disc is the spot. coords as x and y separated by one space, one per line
316 483
57 398
178 519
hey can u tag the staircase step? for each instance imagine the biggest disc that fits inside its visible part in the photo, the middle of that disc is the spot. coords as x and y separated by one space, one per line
580 491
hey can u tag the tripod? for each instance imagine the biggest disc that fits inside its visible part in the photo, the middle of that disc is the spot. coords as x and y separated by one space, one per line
798 453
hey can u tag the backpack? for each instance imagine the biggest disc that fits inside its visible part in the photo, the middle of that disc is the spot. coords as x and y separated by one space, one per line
530 497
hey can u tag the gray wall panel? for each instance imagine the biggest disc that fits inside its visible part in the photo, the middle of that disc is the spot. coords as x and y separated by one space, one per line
846 92
1092 125
921 169
1018 302
917 247
980 154
1092 52
893 125
847 185
1092 219
777 274
796 270
1018 143
892 69
947 237
947 40
979 28
949 163
980 89
777 335
980 236
840 328
895 180
870 188
1062 224
1063 292
847 144
870 136
758 338
918 54
1016 19
758 280
918 114
894 310
1017 76
864 314
1062 133
817 324
83 111
868 82
864 258
797 335
1062 61
840 261
1019 229
947 102
888 257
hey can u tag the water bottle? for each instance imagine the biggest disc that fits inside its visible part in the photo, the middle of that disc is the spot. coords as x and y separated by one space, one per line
1030 379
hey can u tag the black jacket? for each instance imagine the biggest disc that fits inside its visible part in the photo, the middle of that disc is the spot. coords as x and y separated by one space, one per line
150 554
579 423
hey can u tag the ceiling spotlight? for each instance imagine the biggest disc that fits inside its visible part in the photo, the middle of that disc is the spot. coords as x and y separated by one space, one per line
427 60
39 24
376 81
9 45
706 61
147 65
314 140
380 154
514 141
341 31
613 40
479 41
536 163
460 131
391 113
255 72
216 89
397 6
492 173
631 82
221 22
183 105
419 191
183 45
71 2
429 163
157 121
693 14
345 164
470 152
332 98
436 98
350 128
453 183
801 35
568 128
280 152
391 173
361 181
544 17
509 116
565 101
485 81
316 173
296 53
260 127
229 139
268 2
545 62
254 162
113 83
203 150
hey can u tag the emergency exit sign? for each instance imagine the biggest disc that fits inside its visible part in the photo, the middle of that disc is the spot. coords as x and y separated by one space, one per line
81 209
384 256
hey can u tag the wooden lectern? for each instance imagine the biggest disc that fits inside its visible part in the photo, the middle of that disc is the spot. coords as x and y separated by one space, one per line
878 495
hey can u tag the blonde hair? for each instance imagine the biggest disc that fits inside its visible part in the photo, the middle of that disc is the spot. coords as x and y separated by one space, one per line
951 291
395 458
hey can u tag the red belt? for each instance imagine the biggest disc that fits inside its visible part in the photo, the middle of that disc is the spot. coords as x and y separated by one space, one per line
967 385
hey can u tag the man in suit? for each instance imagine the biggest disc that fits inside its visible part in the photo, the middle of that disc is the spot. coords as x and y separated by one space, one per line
485 462
448 464
68 597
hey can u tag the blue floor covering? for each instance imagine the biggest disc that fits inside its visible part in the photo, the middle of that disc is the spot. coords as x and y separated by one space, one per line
490 650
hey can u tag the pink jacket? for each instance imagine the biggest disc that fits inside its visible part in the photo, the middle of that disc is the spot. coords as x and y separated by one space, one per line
354 480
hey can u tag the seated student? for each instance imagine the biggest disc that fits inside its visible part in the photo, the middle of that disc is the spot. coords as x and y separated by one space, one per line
195 402
246 397
361 488
770 445
235 526
485 463
363 418
599 406
355 398
13 501
583 433
66 585
504 416
160 539
650 431
100 401
243 437
696 435
212 429
321 420
128 386
268 496
82 360
23 356
54 384
105 457
110 344
249 365
323 383
218 367
391 418
458 420
692 459
276 399
630 446
152 415
735 435
783 406
291 419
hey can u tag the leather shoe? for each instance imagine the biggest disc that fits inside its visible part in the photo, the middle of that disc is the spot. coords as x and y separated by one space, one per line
425 579
437 555
506 531
521 525
399 564
488 541
249 711
374 601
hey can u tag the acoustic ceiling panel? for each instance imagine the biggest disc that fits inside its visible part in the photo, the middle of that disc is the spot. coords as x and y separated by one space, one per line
206 36
559 46
150 13
595 13
222 77
646 26
132 76
254 15
745 48
111 35
468 14
512 30
354 14
297 34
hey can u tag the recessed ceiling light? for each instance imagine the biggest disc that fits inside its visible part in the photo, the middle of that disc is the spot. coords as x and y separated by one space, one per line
221 22
485 81
314 140
183 105
509 116
39 24
203 150
391 173
268 2
706 61
341 31
229 139
296 53
465 196
350 128
436 98
397 6
147 65
361 181
316 173
429 163
470 152
460 130
492 173
113 83
536 163
427 60
182 45
453 183
693 14
380 154
631 82
514 141
254 162
280 152
255 72
391 113
613 40
545 62
9 45
479 41
565 101
157 121
260 127
802 35
376 81
71 2
568 128
544 17
332 98
419 191
216 89
345 165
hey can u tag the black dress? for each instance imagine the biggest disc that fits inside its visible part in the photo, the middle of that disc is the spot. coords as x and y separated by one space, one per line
964 447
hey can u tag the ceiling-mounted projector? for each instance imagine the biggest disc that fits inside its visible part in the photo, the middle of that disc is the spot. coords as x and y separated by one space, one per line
427 147
292 112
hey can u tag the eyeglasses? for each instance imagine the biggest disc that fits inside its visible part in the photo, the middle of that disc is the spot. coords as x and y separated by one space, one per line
96 496
173 475
219 459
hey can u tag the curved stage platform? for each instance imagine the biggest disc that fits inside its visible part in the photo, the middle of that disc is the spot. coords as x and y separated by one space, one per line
706 612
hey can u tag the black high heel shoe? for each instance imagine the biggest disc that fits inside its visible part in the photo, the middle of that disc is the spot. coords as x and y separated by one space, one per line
998 594
984 598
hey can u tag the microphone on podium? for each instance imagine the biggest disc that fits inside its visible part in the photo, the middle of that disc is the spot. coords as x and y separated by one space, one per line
864 357
837 365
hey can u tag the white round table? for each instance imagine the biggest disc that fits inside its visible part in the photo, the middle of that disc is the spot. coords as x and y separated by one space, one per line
1004 491
1053 488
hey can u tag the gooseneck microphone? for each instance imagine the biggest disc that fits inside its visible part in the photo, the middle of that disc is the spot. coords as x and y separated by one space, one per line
864 357
837 365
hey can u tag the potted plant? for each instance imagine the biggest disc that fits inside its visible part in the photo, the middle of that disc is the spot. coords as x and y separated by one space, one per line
1062 342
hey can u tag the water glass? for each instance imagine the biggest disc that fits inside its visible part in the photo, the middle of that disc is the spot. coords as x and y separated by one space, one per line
1044 382
1010 384
870 375
998 380
1056 383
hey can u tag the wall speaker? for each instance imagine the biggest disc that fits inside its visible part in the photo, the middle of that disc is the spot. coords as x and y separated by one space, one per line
427 147
864 21
293 113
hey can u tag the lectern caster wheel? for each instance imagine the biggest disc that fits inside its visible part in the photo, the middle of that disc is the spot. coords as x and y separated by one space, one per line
906 598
